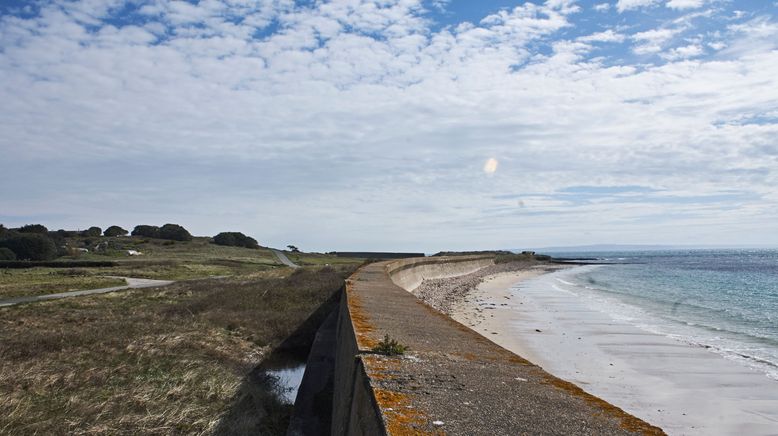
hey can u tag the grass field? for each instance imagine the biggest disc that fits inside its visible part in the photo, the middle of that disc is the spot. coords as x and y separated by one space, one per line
37 281
172 260
166 260
313 259
172 360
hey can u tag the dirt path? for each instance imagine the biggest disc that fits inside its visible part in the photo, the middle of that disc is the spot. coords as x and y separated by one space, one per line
132 283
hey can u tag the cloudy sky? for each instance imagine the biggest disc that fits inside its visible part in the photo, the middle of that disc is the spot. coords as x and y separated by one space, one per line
395 124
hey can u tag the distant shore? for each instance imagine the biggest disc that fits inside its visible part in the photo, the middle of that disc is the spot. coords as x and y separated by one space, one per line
678 387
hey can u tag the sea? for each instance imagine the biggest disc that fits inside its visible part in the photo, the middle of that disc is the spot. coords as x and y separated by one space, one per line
723 300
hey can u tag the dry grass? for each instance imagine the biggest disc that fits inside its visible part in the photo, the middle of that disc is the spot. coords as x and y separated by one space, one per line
172 360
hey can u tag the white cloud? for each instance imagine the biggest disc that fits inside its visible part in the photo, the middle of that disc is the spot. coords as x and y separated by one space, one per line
685 4
606 36
684 52
602 7
653 41
626 5
440 5
757 35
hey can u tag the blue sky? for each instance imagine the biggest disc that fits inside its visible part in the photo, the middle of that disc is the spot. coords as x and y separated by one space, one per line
395 124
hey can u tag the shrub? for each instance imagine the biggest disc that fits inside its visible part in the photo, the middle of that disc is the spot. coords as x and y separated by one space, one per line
389 347
147 231
30 246
115 231
174 232
235 239
92 231
7 254
34 228
3 230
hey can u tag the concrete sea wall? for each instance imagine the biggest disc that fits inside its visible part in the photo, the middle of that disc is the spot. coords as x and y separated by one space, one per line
409 273
452 380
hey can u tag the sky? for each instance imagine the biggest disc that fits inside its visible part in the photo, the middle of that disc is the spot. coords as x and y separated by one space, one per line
414 125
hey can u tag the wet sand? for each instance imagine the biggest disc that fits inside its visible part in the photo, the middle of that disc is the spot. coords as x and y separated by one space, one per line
684 389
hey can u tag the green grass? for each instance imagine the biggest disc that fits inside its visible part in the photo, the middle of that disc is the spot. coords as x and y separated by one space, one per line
172 360
318 259
38 281
170 260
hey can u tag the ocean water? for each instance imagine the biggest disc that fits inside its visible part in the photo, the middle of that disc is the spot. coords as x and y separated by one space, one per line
722 300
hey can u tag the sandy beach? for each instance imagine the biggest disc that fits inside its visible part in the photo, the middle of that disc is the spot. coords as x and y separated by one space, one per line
685 390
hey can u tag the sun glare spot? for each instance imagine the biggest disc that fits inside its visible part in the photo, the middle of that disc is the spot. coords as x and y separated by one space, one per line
491 166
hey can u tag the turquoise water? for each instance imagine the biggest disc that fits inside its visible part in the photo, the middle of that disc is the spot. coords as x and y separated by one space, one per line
723 300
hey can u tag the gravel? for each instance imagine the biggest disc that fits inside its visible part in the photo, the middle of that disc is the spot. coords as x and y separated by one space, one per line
444 294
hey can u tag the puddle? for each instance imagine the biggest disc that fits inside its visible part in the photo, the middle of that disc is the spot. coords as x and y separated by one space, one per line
286 371
289 380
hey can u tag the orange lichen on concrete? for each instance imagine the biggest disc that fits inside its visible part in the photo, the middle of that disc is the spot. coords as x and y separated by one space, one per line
627 421
400 417
381 367
359 320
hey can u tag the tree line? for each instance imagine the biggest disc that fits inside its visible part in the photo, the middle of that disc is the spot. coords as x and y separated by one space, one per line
36 242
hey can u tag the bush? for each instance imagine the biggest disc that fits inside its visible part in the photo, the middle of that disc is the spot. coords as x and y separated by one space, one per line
389 347
34 228
174 232
115 231
3 230
235 239
7 254
30 246
147 231
92 231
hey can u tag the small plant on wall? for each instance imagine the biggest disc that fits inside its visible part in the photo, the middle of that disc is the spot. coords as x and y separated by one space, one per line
390 347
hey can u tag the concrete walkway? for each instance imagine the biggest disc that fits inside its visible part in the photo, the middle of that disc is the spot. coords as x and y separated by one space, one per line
285 260
132 283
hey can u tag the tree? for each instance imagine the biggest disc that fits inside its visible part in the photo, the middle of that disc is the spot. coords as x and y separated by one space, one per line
225 238
293 249
174 232
148 231
3 230
115 231
7 254
59 241
235 239
92 232
34 228
30 246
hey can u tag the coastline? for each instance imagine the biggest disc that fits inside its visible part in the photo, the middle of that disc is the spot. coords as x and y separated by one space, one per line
676 386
